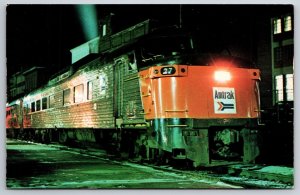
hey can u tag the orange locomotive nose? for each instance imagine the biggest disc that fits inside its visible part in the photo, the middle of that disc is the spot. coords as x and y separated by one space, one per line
200 92
191 109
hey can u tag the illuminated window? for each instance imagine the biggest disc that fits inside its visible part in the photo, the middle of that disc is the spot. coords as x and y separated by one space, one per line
32 106
279 87
44 103
78 93
66 97
51 101
284 87
90 90
38 105
102 84
104 30
289 87
277 26
287 23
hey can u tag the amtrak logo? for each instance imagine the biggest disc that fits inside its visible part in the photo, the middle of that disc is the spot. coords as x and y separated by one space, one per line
225 106
224 100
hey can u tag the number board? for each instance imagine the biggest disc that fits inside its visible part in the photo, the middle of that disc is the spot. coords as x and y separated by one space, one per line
168 71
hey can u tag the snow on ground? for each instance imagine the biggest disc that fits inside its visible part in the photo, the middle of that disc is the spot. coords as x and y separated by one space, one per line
256 182
277 170
118 181
29 147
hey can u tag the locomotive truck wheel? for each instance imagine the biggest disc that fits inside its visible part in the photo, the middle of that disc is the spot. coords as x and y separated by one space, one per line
43 136
63 137
46 136
162 157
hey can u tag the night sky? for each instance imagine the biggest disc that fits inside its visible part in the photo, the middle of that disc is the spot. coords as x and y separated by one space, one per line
42 35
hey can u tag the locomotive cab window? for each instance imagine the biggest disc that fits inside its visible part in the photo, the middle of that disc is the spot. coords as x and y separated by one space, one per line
168 46
165 50
131 64
66 97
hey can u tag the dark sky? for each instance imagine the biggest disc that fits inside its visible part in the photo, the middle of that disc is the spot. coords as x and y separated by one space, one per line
42 35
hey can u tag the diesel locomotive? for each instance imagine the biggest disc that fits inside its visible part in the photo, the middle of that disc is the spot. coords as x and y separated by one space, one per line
149 94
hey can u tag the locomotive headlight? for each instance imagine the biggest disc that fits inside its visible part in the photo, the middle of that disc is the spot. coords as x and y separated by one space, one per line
222 76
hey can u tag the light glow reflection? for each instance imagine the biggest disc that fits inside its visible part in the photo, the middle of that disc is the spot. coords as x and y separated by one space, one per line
222 76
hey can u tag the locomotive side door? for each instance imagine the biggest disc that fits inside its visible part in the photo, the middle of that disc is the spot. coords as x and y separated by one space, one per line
128 106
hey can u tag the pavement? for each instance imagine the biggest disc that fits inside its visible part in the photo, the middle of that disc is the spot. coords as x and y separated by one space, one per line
38 166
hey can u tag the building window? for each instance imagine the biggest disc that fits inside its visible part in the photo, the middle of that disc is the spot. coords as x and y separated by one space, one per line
32 106
78 93
66 97
89 90
288 55
279 88
283 56
287 23
278 57
44 103
277 26
289 86
51 101
284 87
38 105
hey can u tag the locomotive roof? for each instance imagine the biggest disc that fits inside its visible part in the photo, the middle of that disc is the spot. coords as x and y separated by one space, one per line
76 65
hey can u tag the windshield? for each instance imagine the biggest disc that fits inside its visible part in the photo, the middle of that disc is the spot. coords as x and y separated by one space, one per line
165 46
179 49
